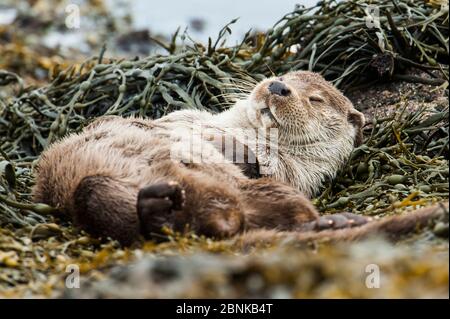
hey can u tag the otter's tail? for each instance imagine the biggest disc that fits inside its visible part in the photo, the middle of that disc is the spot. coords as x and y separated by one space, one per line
392 228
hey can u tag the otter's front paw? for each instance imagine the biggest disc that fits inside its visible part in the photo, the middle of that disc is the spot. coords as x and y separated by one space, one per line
336 221
157 205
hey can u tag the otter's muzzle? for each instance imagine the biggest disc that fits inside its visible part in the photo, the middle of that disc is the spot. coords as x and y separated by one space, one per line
279 88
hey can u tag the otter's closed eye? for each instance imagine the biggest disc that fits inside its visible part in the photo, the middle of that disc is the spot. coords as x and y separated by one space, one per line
316 98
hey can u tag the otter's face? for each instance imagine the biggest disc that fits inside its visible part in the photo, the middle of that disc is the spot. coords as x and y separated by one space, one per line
306 108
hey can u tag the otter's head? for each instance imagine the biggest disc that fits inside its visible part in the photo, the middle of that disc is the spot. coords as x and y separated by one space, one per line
316 124
305 108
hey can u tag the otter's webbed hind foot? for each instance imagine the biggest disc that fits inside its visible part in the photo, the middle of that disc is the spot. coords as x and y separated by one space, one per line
157 206
335 221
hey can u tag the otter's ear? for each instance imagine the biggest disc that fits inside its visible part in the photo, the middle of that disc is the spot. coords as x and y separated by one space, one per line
357 119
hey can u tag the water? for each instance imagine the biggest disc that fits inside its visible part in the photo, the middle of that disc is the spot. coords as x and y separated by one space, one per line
164 17
201 18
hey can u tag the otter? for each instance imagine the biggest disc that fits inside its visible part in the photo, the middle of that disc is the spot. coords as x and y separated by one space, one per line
126 177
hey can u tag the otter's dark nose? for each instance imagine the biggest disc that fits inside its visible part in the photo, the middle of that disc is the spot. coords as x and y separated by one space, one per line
279 88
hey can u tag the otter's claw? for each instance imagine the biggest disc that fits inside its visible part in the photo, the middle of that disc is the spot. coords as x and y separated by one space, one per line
157 203
336 221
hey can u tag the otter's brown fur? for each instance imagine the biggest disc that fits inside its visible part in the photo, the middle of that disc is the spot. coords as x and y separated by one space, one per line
96 176
391 228
119 178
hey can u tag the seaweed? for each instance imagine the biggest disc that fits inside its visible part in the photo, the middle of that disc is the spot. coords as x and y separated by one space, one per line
402 164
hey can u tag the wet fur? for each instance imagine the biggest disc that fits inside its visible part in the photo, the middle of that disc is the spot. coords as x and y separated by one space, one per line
392 228
96 176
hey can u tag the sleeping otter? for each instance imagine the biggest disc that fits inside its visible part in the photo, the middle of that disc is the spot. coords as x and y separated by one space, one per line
123 177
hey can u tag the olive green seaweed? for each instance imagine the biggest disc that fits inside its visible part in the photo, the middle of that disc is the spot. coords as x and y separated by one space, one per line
402 164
